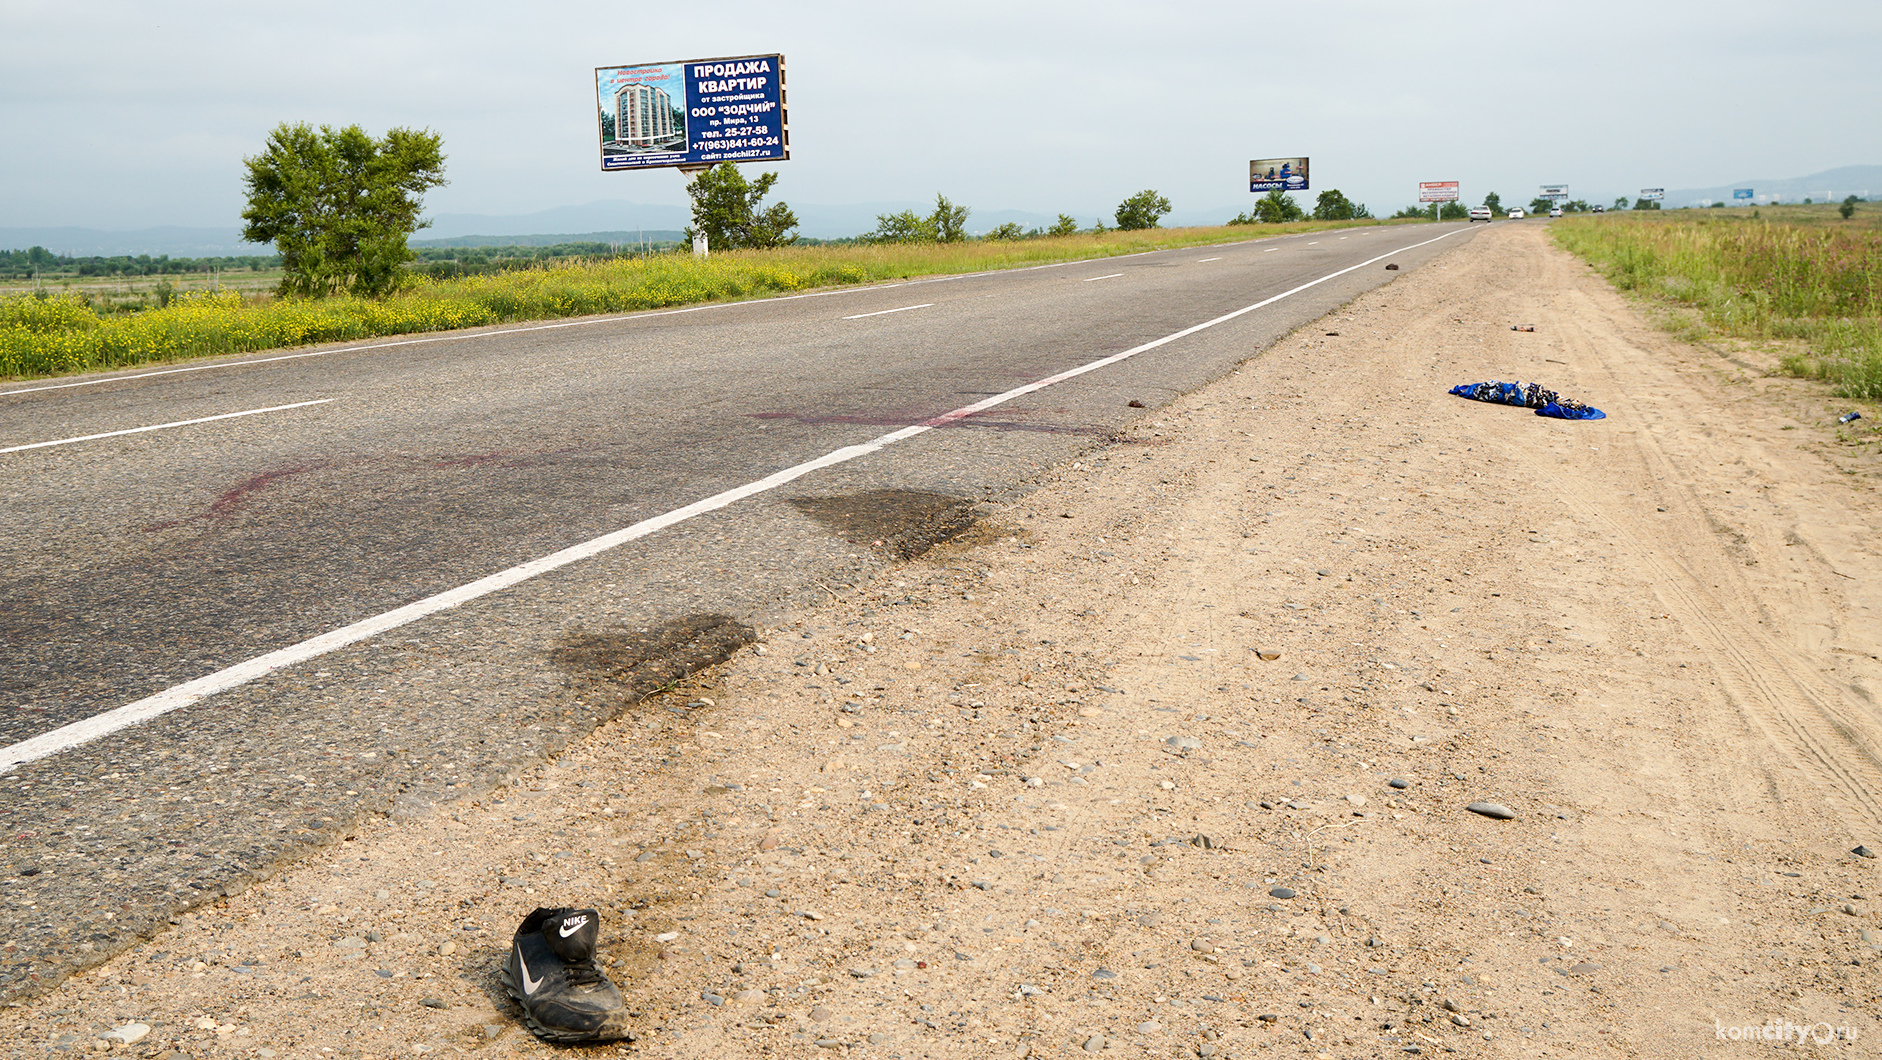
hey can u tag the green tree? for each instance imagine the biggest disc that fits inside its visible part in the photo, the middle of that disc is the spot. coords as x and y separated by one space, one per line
1541 205
948 220
1848 208
1277 207
1141 210
1646 204
1332 205
1009 230
1453 211
339 205
1066 225
725 208
1494 202
904 227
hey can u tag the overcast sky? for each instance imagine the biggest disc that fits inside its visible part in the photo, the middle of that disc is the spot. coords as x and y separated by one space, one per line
121 114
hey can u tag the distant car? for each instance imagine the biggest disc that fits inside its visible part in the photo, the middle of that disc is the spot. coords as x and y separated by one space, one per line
1600 209
1516 214
1481 213
1555 211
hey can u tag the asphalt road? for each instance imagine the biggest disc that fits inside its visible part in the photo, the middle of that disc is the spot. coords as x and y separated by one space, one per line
368 477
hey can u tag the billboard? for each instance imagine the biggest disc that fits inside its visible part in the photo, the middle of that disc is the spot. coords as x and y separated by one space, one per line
1437 191
695 113
1741 193
1653 194
1554 192
1277 174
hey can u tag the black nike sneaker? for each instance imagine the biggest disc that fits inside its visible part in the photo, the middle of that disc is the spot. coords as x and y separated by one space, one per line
552 973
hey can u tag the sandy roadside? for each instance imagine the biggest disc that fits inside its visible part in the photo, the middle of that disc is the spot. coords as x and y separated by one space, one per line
1044 792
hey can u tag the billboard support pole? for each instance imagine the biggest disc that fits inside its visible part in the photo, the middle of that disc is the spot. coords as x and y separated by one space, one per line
691 173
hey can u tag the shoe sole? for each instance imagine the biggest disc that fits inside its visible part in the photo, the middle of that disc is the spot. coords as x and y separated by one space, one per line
552 1034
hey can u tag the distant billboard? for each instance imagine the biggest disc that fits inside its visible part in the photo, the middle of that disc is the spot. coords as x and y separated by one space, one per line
1437 191
1653 194
1277 174
1741 193
694 113
1554 192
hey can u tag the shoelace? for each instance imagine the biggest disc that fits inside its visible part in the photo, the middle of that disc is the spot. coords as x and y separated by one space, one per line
584 973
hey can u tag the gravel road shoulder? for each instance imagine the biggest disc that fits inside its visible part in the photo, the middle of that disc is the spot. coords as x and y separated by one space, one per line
1173 756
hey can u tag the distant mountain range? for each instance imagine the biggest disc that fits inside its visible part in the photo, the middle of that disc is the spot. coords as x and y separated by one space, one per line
1831 185
618 221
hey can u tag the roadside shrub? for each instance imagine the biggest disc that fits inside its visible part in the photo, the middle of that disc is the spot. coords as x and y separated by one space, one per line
1142 210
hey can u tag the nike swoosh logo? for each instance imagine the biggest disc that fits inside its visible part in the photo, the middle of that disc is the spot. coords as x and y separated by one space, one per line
571 926
529 984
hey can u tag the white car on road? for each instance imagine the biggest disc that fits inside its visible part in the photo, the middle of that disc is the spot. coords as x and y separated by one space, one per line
1516 214
1481 213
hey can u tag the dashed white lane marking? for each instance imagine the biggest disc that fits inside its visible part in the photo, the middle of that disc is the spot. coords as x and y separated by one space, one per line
1113 276
163 426
1270 250
886 312
80 732
1199 261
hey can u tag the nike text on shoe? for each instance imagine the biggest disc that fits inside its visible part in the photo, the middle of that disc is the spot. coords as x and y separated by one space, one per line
552 973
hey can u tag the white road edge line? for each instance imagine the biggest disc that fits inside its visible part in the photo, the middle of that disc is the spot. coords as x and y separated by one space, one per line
886 312
98 725
164 426
1113 276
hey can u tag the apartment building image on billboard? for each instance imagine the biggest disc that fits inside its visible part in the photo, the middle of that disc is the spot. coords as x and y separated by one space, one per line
642 112
644 118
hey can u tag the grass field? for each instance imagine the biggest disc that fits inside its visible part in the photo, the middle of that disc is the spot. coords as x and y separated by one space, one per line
1797 276
54 332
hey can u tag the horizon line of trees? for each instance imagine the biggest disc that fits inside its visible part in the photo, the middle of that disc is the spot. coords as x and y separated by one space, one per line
38 261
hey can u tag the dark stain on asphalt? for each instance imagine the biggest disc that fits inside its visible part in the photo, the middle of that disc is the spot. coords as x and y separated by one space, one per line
906 522
638 662
233 499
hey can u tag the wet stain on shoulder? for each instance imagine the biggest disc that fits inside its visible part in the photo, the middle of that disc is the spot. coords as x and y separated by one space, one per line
645 660
907 522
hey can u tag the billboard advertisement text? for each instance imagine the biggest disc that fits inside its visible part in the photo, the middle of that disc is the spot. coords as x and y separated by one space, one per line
1554 192
695 113
1437 191
1741 193
1277 174
1653 194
